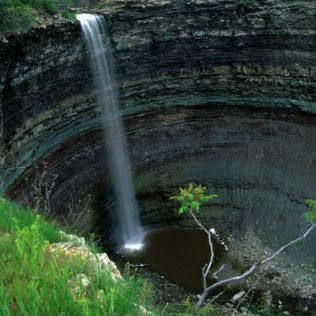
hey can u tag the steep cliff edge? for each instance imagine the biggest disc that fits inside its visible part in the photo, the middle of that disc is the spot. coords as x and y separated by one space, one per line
218 92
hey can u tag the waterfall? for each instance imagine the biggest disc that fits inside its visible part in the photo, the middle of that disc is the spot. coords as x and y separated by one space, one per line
99 47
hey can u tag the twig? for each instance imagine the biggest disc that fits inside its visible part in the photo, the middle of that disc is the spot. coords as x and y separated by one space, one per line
73 218
165 308
244 297
218 271
290 243
252 269
207 267
218 295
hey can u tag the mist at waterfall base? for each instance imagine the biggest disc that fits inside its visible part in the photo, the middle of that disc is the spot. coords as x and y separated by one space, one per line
130 234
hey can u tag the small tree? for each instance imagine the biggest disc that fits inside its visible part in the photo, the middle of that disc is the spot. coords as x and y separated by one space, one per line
191 199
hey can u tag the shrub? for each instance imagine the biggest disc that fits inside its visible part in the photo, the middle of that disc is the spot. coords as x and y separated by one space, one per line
18 16
49 6
15 16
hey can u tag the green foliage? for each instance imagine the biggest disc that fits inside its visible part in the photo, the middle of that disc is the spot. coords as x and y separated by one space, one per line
48 6
14 15
68 15
192 198
311 214
13 217
17 16
36 282
67 3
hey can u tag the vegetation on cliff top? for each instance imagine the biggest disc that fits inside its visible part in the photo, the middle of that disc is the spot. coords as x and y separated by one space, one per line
17 16
35 281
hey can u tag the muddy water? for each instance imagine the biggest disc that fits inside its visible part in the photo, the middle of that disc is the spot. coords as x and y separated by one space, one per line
178 254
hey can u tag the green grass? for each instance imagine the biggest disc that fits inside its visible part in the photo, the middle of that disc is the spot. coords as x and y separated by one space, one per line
36 282
17 16
13 216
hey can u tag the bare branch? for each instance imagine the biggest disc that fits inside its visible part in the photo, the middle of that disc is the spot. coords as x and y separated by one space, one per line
43 186
207 267
218 271
252 269
190 200
290 244
246 295
197 221
76 212
218 295
165 308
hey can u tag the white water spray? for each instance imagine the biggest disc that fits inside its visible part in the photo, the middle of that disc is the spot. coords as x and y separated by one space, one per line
94 30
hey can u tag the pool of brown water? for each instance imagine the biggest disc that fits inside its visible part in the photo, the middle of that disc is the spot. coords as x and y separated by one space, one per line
179 254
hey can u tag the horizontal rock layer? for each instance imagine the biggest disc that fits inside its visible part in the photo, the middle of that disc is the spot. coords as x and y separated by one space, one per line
217 92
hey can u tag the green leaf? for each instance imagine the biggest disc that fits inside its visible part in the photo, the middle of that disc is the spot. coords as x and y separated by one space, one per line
195 205
183 209
311 203
190 187
202 199
192 197
310 216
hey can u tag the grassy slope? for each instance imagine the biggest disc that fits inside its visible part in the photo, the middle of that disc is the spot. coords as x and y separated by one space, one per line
34 282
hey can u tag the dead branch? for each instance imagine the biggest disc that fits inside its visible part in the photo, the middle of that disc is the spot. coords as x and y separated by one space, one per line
42 189
250 288
251 270
76 211
207 267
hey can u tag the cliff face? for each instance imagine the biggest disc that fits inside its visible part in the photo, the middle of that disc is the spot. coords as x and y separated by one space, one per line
218 92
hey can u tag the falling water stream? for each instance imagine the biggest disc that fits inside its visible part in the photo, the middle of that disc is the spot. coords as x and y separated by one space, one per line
94 30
